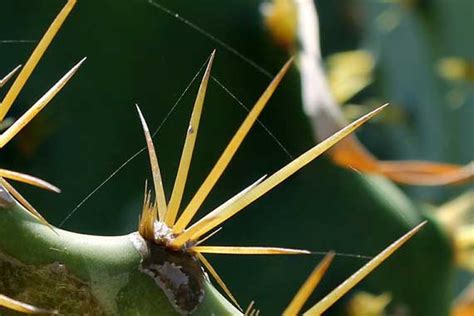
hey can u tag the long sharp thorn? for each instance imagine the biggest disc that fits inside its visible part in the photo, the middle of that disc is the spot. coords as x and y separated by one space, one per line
308 286
21 177
211 234
38 106
224 212
155 169
23 307
228 153
9 76
228 250
216 276
35 57
353 280
202 224
24 202
186 156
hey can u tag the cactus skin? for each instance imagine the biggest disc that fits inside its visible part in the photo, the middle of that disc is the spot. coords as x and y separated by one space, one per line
104 267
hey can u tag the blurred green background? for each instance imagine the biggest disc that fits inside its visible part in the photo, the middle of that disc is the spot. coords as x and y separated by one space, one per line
138 53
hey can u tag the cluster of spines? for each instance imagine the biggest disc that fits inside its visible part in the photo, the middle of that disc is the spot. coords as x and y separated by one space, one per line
189 238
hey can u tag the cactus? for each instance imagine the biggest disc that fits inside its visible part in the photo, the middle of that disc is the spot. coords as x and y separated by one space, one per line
347 195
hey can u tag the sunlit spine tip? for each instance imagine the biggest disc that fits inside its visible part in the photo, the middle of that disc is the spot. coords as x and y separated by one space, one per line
358 276
35 57
229 152
188 148
9 76
155 168
20 123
